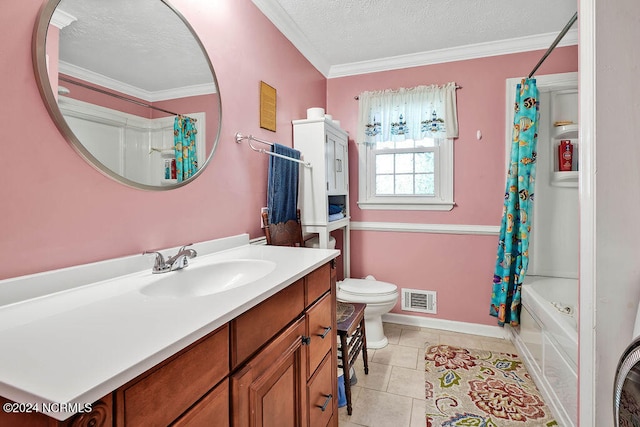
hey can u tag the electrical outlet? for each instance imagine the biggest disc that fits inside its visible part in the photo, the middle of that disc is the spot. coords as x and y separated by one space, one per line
262 210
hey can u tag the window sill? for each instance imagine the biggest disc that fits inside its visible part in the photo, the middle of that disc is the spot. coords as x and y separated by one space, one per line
404 206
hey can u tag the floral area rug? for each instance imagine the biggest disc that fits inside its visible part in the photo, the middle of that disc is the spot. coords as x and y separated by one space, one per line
479 388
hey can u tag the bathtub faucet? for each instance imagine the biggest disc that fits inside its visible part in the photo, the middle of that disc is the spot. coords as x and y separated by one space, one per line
176 262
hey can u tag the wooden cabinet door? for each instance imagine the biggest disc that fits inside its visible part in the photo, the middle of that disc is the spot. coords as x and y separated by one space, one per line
270 390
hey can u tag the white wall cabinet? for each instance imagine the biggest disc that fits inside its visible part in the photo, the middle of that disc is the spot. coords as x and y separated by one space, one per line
325 146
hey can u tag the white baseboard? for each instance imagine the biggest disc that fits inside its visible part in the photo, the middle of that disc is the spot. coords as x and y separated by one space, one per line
447 325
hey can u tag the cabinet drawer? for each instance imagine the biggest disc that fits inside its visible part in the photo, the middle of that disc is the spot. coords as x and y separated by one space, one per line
162 396
270 389
212 410
321 330
317 283
252 329
322 394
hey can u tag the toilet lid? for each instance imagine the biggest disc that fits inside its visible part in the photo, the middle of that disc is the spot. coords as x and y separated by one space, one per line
364 286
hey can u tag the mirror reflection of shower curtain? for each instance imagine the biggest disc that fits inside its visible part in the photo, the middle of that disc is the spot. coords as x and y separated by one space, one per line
184 135
513 247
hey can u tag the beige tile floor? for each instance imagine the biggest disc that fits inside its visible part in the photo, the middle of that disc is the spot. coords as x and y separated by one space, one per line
392 395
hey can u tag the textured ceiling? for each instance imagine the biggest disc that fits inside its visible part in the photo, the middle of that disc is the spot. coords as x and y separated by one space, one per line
338 32
141 43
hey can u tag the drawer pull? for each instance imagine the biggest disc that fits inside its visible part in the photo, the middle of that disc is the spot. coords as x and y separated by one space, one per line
306 340
326 402
326 331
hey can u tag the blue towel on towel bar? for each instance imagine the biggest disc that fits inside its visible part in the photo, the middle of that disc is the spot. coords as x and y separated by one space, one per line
282 187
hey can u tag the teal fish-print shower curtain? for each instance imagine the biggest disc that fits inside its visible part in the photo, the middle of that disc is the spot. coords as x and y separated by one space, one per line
513 247
184 139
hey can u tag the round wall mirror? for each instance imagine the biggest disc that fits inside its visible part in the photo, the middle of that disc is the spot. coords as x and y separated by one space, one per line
626 393
130 86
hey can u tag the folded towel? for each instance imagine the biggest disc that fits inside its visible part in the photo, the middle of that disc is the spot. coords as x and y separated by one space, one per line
334 209
282 187
335 217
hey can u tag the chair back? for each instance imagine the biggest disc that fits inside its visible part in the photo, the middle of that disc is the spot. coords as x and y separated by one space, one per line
283 233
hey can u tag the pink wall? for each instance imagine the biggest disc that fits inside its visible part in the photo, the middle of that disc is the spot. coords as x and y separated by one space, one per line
458 267
58 211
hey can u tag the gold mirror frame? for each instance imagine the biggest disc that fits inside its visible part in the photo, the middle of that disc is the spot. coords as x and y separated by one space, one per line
39 40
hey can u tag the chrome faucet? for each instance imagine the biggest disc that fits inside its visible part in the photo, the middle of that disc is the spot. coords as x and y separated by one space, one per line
176 262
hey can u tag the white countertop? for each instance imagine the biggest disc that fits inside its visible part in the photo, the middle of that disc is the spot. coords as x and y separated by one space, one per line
79 344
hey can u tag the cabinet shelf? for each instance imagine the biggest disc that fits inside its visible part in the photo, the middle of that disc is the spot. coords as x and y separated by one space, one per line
335 225
565 179
566 131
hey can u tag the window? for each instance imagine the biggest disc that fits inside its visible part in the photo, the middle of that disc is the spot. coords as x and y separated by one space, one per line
408 165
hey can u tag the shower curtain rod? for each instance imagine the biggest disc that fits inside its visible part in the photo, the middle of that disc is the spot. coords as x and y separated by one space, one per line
249 138
124 98
573 19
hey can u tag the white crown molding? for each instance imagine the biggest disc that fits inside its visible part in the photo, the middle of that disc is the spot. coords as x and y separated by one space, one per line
61 18
283 22
182 92
461 53
116 85
485 230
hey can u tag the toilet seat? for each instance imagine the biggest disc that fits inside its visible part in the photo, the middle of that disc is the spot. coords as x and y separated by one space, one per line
367 291
380 298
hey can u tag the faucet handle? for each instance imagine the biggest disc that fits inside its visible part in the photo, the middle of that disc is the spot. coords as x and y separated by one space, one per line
191 252
159 263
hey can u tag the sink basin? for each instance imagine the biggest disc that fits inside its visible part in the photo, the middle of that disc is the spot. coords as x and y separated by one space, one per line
208 279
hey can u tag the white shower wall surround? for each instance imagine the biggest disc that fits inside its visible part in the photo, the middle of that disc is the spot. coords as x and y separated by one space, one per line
125 143
547 338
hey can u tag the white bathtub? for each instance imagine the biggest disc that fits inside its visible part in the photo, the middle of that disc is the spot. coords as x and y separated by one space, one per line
547 339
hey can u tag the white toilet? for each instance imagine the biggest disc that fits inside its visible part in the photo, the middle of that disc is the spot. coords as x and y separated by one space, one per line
380 298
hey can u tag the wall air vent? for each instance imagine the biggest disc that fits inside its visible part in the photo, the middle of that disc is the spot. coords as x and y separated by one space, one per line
417 300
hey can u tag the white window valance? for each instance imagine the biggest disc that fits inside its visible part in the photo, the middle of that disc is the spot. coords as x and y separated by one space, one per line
414 113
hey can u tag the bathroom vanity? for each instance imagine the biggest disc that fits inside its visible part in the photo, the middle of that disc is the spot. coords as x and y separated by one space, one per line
260 353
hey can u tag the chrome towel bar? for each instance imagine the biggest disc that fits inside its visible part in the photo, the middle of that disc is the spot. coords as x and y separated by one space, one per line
249 138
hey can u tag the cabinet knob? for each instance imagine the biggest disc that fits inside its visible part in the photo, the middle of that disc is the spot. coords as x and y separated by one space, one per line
326 402
306 340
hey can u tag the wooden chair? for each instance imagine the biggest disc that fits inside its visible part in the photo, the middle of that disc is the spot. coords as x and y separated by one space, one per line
284 233
353 340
